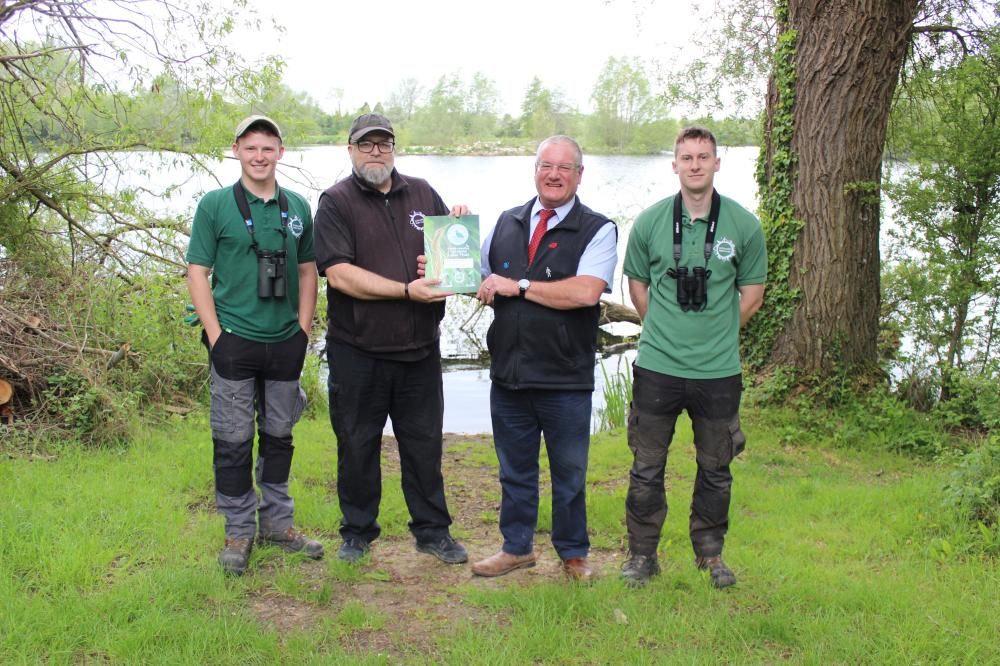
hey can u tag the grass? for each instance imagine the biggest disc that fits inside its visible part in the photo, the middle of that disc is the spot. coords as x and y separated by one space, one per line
108 556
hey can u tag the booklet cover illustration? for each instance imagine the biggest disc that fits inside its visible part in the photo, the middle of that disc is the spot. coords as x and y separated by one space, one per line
451 245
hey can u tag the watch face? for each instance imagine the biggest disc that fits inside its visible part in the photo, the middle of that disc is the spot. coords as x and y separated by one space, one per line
523 284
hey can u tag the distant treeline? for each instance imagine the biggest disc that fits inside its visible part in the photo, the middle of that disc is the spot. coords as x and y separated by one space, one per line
458 115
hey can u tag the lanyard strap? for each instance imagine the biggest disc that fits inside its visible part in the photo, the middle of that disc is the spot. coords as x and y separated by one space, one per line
713 222
241 202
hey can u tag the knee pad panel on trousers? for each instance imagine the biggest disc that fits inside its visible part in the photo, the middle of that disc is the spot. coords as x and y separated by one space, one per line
276 458
284 403
649 437
232 410
234 481
233 467
717 441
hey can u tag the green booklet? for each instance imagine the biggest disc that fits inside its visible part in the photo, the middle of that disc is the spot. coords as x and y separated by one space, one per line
451 245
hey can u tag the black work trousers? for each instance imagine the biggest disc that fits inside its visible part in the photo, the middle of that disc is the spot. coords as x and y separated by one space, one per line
364 391
713 405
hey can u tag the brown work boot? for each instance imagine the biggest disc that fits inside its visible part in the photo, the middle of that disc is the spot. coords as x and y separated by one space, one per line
722 576
235 555
578 569
502 563
293 541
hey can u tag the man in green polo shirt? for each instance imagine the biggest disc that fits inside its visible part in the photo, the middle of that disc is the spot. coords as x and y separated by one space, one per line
696 268
253 285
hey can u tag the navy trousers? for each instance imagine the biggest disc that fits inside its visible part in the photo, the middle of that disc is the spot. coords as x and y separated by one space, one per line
520 418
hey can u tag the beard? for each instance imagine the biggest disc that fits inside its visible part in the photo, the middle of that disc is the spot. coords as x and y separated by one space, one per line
375 175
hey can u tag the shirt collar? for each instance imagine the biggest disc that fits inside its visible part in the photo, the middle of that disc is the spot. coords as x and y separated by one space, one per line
561 211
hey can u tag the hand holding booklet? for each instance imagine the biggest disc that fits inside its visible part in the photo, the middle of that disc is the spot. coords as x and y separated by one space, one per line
451 245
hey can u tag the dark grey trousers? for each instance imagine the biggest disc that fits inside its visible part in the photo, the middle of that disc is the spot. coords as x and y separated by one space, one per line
713 405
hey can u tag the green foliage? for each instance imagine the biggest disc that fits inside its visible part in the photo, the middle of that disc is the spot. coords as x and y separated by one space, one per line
836 410
66 131
973 493
943 279
973 402
315 388
776 177
544 112
167 359
730 131
617 399
624 102
455 113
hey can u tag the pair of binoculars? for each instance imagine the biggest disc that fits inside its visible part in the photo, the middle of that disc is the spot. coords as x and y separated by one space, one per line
692 287
271 273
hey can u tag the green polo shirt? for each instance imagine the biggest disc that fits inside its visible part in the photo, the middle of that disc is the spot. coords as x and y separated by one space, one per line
694 345
220 241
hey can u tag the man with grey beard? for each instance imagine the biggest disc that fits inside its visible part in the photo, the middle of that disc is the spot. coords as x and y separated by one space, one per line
382 341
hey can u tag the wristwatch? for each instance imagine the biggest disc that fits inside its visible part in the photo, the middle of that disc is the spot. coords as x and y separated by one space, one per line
522 286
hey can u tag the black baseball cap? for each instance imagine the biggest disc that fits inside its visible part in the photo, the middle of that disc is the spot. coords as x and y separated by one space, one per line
370 122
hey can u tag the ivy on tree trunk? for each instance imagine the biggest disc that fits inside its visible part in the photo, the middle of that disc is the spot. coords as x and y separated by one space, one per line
827 111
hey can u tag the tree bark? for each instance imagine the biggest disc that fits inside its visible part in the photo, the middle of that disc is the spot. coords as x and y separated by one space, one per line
848 59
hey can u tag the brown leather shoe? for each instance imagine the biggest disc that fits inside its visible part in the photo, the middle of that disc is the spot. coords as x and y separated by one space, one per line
578 569
502 563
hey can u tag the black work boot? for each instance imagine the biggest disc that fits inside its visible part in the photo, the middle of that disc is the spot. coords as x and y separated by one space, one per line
638 569
445 548
353 549
722 576
234 556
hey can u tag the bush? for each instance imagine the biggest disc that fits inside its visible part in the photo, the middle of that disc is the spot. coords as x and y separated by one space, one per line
974 494
974 402
89 354
863 420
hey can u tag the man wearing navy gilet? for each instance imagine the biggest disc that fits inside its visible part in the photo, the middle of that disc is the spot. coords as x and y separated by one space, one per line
547 263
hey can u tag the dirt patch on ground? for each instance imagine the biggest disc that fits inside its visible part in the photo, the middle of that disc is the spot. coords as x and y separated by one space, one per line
400 602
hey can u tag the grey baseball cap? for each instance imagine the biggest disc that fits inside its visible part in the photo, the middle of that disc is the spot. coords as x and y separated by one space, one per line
370 122
250 121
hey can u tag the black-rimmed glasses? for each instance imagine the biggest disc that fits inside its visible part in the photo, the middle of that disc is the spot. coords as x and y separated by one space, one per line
384 147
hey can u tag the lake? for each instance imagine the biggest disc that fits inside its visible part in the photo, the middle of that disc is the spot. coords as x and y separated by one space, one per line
618 186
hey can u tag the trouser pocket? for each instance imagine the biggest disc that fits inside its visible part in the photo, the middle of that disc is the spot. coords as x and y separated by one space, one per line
717 441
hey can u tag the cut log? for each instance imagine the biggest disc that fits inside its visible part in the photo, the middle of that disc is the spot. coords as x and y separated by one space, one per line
119 355
6 391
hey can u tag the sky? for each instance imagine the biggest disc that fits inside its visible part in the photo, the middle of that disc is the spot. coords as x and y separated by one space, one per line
365 50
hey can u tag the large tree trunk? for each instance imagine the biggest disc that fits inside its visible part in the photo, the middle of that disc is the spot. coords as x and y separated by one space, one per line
848 59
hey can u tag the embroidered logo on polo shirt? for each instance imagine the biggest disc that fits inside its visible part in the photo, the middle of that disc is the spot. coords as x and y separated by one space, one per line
417 220
295 226
725 249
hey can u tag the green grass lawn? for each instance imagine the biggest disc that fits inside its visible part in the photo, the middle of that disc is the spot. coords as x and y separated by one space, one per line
109 557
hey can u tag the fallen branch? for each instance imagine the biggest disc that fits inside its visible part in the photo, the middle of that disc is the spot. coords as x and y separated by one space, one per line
615 312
